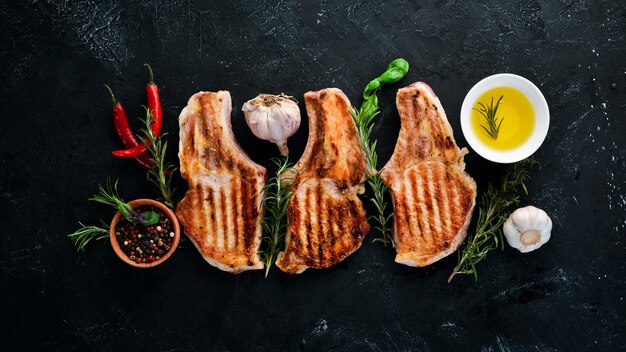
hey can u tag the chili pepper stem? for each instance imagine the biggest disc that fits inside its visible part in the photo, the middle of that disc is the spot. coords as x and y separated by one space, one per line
115 102
151 83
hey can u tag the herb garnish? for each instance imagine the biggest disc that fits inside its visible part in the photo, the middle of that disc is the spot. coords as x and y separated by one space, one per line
489 113
364 120
493 210
111 197
364 125
161 173
278 192
85 234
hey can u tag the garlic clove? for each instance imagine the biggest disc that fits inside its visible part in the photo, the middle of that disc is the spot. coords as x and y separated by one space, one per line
527 229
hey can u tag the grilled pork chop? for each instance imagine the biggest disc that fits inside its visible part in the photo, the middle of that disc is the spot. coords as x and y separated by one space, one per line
222 210
433 197
326 220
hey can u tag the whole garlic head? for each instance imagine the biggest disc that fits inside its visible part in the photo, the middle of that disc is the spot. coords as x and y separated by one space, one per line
273 118
527 229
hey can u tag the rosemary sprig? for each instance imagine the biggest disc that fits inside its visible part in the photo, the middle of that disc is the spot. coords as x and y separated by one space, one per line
161 174
85 234
493 210
110 196
364 124
278 192
364 120
489 113
383 221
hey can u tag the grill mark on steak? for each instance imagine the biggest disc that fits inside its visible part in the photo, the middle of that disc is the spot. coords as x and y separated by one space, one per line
312 243
434 219
320 235
418 193
217 211
332 231
457 201
451 194
322 223
235 204
226 218
254 214
303 232
410 217
341 227
197 200
209 207
443 201
247 212
400 212
193 222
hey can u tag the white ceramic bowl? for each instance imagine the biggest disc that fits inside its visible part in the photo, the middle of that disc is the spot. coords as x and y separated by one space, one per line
538 102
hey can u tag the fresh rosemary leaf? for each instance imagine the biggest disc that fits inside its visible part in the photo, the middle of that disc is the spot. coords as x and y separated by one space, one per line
278 192
85 234
110 196
493 210
364 123
161 174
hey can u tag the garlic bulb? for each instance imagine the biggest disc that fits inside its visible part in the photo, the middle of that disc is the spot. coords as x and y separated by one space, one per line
527 228
273 118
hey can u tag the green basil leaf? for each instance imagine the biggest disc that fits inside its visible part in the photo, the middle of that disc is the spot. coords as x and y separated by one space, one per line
148 218
396 70
369 103
371 88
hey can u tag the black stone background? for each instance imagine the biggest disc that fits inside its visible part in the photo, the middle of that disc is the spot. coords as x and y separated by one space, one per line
56 136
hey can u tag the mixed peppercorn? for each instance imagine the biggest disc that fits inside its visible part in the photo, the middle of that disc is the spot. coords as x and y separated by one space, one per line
145 244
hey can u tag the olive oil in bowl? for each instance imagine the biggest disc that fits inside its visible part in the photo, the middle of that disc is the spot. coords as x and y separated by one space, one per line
514 117
505 118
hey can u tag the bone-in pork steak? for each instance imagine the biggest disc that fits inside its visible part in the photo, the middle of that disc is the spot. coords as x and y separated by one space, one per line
326 220
221 212
433 197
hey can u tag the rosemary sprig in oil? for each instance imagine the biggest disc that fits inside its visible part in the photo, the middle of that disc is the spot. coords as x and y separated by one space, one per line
489 113
161 174
493 210
278 192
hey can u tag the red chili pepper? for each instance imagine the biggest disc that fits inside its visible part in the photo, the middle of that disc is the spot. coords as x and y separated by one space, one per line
154 103
125 133
154 106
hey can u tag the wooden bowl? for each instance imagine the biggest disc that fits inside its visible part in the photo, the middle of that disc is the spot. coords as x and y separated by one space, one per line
138 203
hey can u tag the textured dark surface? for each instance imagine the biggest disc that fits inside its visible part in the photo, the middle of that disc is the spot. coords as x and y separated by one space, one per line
56 136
